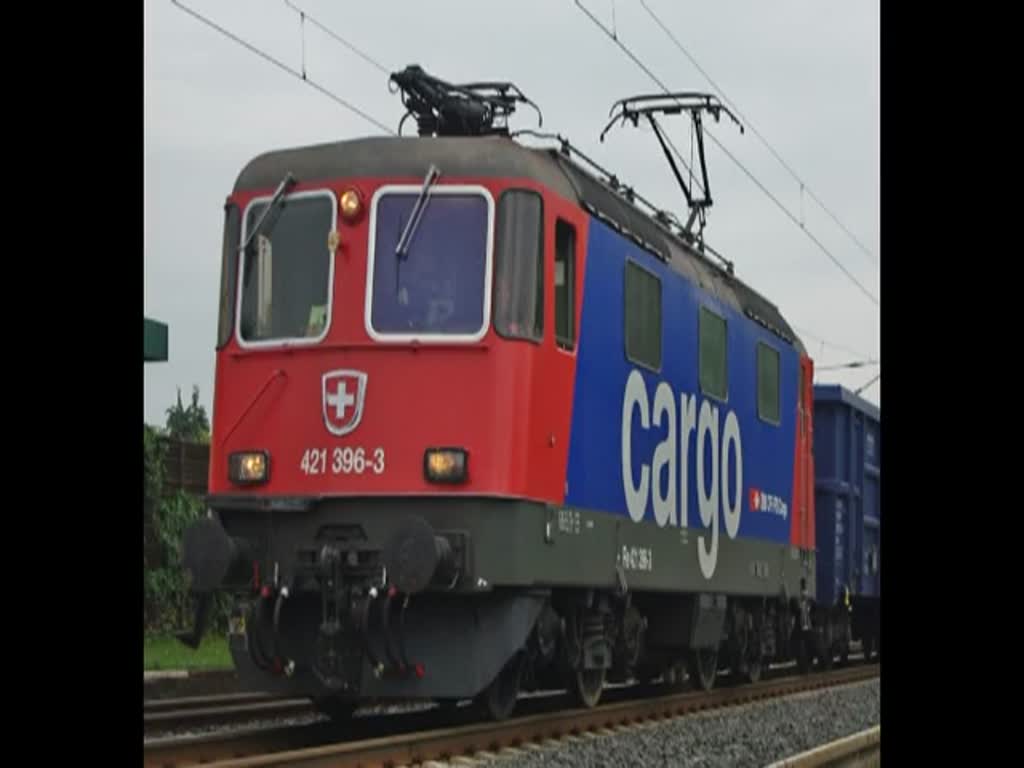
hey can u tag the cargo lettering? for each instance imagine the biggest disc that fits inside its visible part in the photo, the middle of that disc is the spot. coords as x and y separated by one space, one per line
672 455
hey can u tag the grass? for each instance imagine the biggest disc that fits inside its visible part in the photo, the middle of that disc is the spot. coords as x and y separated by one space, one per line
162 652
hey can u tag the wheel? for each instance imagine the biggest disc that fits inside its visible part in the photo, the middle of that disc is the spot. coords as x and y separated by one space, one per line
584 685
629 653
703 667
823 650
869 647
674 675
338 709
646 674
843 652
802 651
587 685
754 662
500 697
746 656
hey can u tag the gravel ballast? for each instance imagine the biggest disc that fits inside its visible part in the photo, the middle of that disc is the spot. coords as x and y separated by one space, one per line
752 735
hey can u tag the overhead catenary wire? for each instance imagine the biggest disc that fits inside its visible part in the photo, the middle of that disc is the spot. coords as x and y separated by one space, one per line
732 104
295 73
853 364
351 46
872 381
732 157
356 110
858 354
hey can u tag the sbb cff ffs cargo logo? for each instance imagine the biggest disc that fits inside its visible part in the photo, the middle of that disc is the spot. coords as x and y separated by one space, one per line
344 392
766 502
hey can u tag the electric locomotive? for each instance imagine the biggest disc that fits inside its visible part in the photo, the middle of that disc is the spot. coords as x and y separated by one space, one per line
486 420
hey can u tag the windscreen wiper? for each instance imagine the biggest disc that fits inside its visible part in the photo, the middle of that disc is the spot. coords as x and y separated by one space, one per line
286 184
417 212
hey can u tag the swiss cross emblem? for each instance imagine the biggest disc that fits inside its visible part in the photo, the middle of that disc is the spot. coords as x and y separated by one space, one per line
755 499
343 396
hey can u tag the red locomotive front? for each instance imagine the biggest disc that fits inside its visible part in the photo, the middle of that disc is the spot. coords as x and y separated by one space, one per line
391 416
357 354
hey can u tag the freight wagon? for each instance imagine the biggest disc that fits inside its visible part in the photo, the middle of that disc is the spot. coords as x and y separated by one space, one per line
847 460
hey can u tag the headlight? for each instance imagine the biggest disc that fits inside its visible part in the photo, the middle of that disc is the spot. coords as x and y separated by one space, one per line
445 465
249 467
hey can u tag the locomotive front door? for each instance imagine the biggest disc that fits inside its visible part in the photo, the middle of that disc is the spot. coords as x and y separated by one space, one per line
565 232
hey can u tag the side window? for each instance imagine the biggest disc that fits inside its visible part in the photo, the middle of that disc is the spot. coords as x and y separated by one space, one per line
229 273
643 316
519 266
565 285
768 384
714 369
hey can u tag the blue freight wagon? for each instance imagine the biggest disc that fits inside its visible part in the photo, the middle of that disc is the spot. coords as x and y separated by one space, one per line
848 515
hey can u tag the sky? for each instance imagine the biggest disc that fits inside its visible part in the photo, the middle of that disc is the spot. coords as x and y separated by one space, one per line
804 73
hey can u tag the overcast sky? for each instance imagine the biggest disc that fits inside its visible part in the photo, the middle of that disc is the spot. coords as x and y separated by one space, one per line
805 73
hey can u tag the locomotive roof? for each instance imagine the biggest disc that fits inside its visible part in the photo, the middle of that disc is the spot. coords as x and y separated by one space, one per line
502 157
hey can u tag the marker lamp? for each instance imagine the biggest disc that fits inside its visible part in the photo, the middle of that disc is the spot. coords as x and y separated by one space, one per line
445 465
248 467
351 205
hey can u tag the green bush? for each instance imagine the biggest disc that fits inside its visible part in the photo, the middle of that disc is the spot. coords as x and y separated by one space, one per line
166 592
168 605
154 463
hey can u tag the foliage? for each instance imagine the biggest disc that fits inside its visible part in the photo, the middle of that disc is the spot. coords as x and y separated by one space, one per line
190 424
168 605
154 463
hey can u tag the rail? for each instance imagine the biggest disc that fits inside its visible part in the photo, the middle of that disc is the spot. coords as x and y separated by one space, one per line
284 747
859 749
195 711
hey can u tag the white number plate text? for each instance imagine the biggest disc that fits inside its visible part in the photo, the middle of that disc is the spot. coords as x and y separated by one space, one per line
636 558
342 461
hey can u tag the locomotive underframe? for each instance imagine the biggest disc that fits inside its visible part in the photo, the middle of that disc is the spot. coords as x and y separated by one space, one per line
318 613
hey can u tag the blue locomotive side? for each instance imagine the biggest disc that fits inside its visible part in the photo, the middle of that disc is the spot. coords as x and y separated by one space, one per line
657 434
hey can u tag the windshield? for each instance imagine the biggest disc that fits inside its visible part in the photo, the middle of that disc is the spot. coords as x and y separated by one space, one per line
286 270
439 286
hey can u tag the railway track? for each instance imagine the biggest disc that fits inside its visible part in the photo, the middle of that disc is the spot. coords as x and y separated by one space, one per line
167 716
417 737
199 711
860 749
